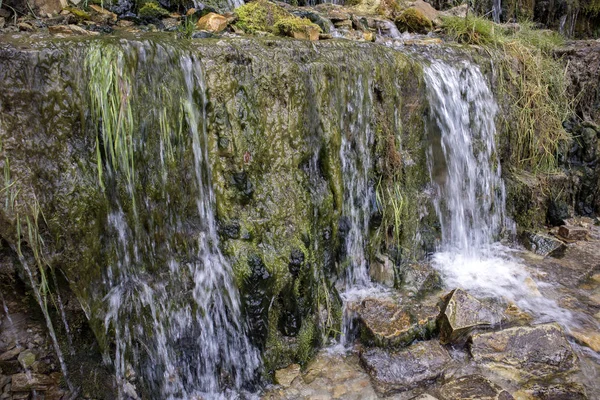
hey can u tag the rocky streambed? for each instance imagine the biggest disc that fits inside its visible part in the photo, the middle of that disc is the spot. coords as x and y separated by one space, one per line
478 348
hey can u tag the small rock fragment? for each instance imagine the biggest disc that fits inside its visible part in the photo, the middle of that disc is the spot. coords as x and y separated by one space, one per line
573 232
10 354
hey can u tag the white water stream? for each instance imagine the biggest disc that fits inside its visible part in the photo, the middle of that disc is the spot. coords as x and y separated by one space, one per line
470 195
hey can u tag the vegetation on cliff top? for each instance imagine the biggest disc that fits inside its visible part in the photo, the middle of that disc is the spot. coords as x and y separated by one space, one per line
531 85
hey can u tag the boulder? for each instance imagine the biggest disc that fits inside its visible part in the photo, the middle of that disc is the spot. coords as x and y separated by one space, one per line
473 387
420 279
543 244
529 352
413 20
26 358
427 11
573 232
588 338
462 314
410 368
212 22
385 322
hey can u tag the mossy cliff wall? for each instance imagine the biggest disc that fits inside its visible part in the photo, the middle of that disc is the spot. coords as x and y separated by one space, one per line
276 111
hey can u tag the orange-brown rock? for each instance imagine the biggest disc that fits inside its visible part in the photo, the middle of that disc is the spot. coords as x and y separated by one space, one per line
212 22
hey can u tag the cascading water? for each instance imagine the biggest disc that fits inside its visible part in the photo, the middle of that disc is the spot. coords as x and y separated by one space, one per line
470 194
171 300
497 11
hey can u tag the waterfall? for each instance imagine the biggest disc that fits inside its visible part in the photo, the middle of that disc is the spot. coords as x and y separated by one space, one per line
470 195
470 192
171 303
497 11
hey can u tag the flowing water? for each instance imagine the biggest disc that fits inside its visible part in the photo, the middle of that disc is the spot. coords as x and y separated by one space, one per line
181 325
470 195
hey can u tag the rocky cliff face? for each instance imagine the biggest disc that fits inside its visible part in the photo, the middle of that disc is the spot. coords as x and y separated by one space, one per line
276 113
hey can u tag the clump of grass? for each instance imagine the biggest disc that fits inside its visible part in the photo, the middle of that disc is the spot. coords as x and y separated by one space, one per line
187 27
472 30
110 91
531 83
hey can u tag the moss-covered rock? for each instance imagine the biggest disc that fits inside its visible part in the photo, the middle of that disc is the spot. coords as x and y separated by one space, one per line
265 16
152 10
413 20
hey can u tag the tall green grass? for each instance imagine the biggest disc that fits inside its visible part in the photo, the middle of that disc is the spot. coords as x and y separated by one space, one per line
531 85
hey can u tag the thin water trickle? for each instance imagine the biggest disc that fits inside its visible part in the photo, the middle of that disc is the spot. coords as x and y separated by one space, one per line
470 195
181 328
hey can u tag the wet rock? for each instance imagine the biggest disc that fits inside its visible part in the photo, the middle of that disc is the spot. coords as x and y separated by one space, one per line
102 15
382 270
573 232
425 396
420 279
11 354
25 382
286 376
2 22
590 339
70 30
230 230
296 262
27 358
473 387
543 245
212 22
386 322
538 351
383 27
568 391
415 366
462 314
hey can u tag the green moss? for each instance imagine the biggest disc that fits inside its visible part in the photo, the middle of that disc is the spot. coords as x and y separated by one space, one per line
79 14
264 16
287 26
152 10
413 20
307 339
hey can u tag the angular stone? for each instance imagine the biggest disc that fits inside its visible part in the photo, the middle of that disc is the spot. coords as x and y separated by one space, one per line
26 358
286 376
387 323
212 22
463 314
573 232
537 352
544 245
424 396
415 366
307 33
2 22
474 387
27 382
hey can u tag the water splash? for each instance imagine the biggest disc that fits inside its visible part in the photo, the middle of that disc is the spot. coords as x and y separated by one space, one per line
171 304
